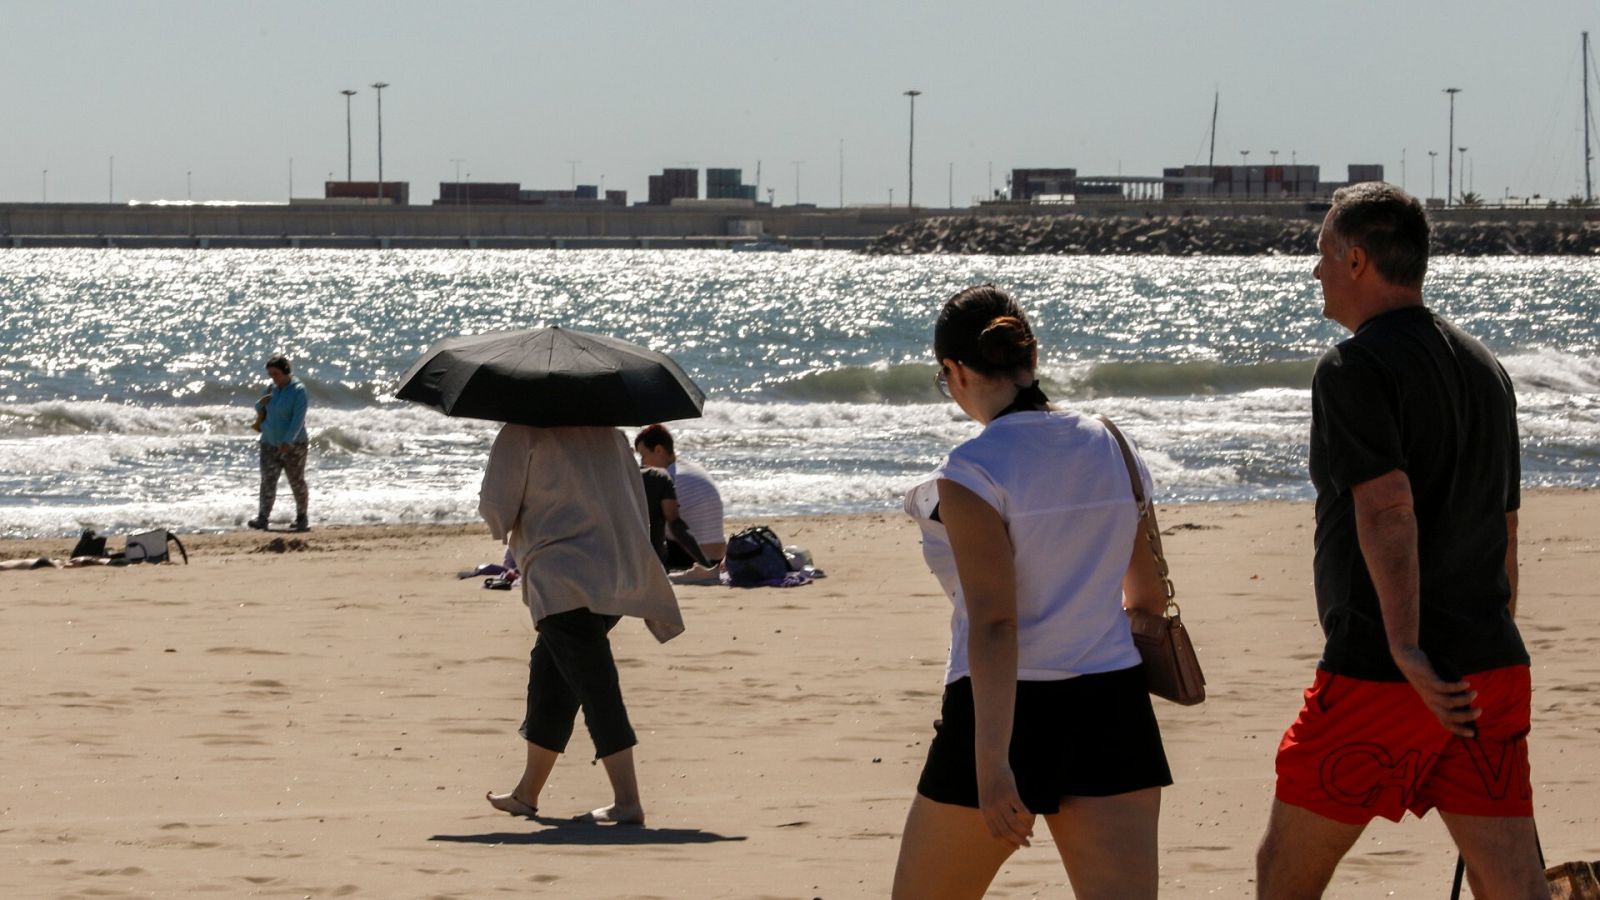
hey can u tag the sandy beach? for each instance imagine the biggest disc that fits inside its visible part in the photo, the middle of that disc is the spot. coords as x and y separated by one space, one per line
324 723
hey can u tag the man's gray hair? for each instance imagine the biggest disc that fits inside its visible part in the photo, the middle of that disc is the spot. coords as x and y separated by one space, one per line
1389 224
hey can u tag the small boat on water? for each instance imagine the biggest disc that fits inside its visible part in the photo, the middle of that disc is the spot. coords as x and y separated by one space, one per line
763 245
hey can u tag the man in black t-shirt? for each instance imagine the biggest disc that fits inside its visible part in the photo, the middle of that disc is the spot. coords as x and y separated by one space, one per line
1421 700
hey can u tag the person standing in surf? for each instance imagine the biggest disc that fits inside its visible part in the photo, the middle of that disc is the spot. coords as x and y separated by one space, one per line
281 415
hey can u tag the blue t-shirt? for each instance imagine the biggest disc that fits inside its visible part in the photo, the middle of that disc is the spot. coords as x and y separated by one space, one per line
286 415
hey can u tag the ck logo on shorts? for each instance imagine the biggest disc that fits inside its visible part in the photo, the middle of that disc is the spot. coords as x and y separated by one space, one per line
1358 774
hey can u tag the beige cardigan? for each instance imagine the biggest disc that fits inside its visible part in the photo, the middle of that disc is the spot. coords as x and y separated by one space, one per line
571 502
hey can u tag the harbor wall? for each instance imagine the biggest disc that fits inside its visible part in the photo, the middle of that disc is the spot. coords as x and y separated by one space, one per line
599 225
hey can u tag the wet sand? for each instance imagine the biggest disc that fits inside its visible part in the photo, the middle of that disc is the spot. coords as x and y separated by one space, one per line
324 722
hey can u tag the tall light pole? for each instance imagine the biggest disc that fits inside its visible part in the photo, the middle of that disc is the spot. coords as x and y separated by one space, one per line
1244 163
1274 156
349 152
188 185
573 163
1449 161
797 181
1402 168
379 86
1588 154
44 186
458 161
1463 152
1433 173
911 152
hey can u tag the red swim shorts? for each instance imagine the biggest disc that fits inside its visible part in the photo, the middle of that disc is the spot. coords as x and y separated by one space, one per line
1361 749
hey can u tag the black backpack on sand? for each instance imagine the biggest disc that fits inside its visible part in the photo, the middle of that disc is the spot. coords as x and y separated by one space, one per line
755 556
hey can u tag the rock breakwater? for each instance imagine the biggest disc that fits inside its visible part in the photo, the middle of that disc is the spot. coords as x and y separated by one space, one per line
1206 236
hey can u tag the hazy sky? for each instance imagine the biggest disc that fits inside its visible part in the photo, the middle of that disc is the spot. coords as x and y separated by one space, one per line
231 91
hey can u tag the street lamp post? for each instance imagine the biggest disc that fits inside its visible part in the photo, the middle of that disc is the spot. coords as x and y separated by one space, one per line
1274 156
1244 163
379 86
1433 173
188 185
911 151
1463 152
797 181
1449 161
349 152
458 161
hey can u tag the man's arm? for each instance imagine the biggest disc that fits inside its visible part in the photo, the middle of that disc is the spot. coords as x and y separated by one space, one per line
1386 527
1511 559
679 531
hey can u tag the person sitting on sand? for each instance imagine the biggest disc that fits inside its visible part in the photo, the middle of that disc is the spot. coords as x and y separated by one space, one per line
699 501
1030 528
571 503
661 502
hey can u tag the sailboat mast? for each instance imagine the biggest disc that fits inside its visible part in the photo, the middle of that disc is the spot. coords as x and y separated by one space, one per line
1215 99
1589 192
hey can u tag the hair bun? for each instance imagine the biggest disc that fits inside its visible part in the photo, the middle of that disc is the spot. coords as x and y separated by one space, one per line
1007 342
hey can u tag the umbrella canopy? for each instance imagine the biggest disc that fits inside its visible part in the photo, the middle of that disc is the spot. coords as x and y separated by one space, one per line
551 376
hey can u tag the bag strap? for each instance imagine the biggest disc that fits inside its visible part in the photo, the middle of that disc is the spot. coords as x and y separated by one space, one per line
1147 515
174 539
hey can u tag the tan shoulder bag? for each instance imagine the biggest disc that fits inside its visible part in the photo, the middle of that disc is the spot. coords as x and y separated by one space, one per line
1170 666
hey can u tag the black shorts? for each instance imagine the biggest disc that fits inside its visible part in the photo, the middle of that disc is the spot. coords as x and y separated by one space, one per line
1089 736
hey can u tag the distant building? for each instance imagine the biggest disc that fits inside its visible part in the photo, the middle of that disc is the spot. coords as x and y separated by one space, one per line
727 184
507 193
673 184
1029 184
1260 182
396 192
479 193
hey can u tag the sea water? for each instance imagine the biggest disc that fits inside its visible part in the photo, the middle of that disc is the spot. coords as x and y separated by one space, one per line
127 377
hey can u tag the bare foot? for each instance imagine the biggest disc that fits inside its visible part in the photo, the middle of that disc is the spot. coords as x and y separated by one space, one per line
510 803
697 575
614 815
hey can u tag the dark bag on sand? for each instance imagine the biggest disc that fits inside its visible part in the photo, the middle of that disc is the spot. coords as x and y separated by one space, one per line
151 547
89 544
755 556
1171 668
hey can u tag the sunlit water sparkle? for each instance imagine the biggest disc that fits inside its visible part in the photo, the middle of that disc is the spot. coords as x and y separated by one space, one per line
128 377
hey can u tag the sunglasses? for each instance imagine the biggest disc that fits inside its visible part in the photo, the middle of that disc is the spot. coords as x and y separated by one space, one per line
941 381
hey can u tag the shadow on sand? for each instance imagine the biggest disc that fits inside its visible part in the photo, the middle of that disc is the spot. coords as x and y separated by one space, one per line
567 831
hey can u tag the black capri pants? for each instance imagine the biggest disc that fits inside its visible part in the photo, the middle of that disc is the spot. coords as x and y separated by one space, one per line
571 667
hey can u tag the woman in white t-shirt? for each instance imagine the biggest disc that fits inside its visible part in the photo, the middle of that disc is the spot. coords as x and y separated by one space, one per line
1030 529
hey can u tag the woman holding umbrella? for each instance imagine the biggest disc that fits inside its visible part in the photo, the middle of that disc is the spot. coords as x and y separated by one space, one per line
571 503
562 488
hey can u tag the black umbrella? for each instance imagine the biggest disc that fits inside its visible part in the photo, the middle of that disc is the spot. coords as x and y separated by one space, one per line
552 376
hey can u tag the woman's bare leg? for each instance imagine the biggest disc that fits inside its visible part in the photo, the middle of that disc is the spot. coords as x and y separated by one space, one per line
523 800
626 807
946 852
1109 845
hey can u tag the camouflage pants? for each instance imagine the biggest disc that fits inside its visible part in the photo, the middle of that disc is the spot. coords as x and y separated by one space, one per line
289 459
